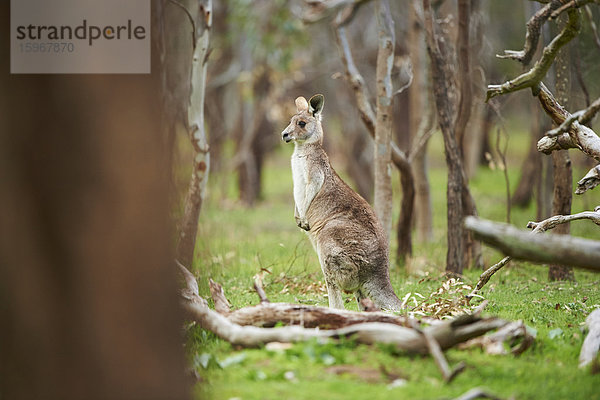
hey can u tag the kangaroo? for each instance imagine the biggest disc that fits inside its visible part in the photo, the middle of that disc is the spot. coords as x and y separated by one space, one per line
344 231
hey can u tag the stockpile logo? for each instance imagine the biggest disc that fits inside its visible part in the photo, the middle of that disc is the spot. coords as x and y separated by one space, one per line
80 36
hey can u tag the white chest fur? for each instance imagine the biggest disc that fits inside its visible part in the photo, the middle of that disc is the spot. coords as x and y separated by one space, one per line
301 180
308 179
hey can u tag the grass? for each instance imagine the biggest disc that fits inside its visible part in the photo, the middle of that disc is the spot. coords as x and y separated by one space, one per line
236 242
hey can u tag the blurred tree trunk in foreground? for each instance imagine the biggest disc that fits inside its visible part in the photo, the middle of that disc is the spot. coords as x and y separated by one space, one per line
88 293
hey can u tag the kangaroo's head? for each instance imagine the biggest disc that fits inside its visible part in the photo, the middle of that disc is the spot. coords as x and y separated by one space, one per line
305 126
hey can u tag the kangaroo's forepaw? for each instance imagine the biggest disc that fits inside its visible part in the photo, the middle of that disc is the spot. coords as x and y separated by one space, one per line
302 223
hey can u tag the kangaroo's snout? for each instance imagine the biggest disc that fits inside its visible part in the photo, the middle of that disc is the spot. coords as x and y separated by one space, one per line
286 135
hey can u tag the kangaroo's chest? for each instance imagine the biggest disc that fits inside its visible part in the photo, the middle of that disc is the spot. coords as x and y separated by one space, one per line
301 178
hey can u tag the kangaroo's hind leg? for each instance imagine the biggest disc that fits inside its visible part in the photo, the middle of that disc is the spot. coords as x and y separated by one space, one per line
335 295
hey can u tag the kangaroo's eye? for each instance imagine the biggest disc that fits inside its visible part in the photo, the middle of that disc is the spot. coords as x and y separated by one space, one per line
302 124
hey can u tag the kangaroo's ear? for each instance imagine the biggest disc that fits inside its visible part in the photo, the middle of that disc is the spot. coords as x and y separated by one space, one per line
316 104
301 104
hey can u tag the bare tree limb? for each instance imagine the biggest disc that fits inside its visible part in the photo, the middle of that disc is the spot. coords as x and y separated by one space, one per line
582 116
578 135
520 244
532 36
591 344
589 181
533 77
542 226
569 5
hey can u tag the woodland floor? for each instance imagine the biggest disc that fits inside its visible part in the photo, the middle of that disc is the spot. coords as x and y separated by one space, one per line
236 242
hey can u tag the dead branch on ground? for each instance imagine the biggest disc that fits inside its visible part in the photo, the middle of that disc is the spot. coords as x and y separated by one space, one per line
509 333
537 227
522 245
446 334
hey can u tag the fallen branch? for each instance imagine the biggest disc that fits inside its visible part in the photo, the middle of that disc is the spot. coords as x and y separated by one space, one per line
537 227
509 333
222 305
258 287
591 344
487 274
447 333
436 352
551 249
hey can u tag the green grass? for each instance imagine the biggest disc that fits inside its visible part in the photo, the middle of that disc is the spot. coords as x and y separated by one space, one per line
236 242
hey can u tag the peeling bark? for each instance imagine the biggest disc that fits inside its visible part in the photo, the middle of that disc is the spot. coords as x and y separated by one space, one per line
197 133
382 199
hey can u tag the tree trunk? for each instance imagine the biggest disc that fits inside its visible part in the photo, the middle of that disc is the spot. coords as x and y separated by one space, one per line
404 236
419 94
441 78
89 295
464 72
195 128
563 171
383 125
481 113
532 164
